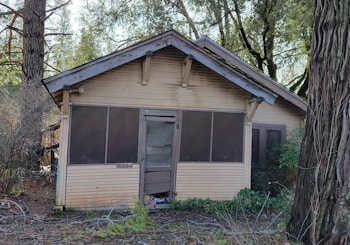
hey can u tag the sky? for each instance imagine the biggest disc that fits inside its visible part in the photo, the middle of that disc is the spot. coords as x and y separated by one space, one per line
74 7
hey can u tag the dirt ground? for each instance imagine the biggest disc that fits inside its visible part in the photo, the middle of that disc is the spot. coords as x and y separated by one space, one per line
30 219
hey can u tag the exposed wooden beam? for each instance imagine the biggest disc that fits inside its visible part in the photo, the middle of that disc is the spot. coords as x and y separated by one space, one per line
65 102
254 103
146 67
186 70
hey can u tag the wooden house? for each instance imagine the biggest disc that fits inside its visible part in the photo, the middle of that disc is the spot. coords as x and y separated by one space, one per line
166 117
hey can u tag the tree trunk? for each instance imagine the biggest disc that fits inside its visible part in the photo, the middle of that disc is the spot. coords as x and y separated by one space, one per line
32 70
321 210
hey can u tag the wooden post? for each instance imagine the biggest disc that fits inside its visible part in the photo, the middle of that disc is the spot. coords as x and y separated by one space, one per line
252 106
62 163
146 67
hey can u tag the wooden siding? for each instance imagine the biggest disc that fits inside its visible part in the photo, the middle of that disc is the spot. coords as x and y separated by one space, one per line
281 113
217 181
92 186
123 86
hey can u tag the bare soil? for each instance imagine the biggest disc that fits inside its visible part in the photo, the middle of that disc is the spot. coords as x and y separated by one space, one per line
31 219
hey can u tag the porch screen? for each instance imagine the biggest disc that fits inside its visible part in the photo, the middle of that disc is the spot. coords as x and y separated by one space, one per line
103 135
212 136
123 133
228 137
88 134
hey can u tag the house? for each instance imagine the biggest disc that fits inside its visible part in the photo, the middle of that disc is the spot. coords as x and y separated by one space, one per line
165 117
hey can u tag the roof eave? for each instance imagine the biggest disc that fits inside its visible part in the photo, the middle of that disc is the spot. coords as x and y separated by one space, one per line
170 38
206 42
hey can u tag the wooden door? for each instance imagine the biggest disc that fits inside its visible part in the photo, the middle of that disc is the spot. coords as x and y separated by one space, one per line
158 160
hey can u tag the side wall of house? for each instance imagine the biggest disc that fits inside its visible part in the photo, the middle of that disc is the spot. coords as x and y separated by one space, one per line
281 113
89 186
101 185
217 181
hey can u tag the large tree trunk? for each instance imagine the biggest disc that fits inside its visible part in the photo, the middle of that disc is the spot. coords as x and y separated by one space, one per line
32 70
321 210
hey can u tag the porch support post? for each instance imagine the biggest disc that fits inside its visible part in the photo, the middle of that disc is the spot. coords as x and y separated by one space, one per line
186 70
62 162
252 106
146 67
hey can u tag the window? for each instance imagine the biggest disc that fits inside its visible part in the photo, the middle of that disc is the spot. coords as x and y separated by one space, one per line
92 125
88 134
123 134
212 136
228 137
195 136
264 138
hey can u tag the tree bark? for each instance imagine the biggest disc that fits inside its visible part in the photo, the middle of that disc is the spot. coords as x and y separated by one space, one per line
33 69
321 209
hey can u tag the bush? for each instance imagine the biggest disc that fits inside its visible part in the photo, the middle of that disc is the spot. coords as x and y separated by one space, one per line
138 222
282 168
246 200
290 150
12 143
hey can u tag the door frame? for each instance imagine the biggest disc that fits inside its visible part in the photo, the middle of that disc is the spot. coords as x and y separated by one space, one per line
158 115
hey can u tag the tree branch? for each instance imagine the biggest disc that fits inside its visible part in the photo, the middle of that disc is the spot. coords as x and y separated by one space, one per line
58 33
245 38
13 11
60 6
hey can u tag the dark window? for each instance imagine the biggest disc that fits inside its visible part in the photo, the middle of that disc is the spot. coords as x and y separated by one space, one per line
255 146
89 128
123 130
208 136
273 138
264 138
228 137
195 136
88 134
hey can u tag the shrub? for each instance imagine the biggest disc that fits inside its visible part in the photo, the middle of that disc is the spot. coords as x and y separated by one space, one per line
282 168
247 200
138 222
290 150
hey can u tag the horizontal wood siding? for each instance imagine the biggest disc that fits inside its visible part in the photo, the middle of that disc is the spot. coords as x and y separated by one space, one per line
91 186
123 87
282 113
217 181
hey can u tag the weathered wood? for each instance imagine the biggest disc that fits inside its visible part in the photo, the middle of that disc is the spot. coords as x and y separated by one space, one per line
186 70
122 86
146 67
167 39
241 65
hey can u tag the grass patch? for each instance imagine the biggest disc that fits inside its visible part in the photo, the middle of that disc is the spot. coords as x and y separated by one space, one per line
138 221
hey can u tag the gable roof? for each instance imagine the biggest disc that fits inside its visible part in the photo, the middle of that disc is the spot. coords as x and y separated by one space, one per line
259 77
230 66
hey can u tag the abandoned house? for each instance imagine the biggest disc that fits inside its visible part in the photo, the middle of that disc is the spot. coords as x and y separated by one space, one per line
166 117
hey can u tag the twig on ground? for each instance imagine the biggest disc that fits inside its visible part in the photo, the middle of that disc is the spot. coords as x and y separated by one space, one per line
262 208
204 223
10 203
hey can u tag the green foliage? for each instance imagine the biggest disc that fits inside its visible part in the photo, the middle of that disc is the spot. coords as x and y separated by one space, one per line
138 222
247 200
141 220
76 237
290 150
282 169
